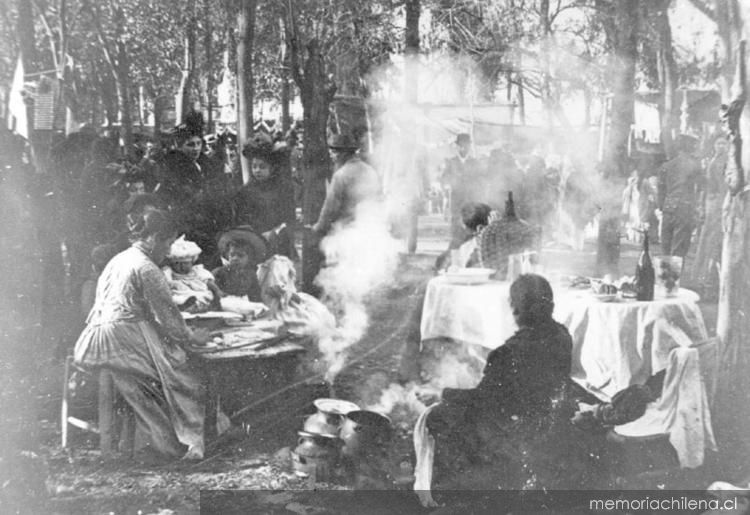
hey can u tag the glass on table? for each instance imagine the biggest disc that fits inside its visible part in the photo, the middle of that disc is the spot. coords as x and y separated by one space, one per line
668 271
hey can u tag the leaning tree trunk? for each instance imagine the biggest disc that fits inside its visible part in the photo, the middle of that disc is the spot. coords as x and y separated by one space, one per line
245 80
733 324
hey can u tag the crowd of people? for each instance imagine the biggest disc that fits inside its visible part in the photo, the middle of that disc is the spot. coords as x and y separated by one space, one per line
167 230
676 201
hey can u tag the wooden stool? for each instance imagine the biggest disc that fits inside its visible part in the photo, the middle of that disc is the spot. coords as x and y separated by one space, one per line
116 422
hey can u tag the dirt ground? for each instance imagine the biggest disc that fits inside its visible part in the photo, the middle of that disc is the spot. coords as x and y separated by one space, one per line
37 476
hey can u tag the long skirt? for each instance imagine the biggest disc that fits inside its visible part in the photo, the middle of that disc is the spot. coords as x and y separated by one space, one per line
708 254
154 379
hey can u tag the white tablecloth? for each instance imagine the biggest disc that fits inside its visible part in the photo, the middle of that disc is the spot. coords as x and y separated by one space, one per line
478 314
616 344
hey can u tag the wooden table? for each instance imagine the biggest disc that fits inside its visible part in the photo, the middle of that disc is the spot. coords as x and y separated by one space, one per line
233 377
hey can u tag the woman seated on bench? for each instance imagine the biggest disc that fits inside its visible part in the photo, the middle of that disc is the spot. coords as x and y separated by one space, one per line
136 331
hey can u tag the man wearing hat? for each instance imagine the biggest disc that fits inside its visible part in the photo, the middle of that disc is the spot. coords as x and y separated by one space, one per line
353 183
461 175
680 180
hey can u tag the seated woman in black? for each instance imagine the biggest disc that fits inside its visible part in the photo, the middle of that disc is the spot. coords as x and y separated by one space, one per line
513 430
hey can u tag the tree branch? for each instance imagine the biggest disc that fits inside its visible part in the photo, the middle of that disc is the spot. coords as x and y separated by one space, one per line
109 55
50 35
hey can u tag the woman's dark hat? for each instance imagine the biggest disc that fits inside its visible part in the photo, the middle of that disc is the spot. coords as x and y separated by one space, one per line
463 137
247 235
260 146
343 142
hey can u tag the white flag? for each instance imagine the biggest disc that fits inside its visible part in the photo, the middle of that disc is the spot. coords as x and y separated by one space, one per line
18 119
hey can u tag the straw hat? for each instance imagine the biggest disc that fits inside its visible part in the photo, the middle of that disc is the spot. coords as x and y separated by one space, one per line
247 235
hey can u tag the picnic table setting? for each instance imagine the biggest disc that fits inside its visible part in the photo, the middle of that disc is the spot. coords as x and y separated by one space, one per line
249 352
618 340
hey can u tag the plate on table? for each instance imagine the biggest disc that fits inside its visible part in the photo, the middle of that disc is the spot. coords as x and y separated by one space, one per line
469 275
605 297
208 315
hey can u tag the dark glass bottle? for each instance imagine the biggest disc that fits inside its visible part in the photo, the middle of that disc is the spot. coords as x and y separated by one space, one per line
510 206
644 274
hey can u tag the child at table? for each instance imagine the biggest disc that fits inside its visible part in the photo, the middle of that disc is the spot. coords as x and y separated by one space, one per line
242 250
193 287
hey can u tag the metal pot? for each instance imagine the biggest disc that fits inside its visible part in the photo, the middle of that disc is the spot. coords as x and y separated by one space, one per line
364 432
315 455
329 416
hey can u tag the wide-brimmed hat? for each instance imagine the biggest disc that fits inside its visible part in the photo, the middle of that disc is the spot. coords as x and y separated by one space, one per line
247 235
259 146
343 142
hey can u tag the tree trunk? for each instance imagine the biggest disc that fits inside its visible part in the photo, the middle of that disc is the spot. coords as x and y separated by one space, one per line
411 76
317 95
667 76
26 40
208 59
122 75
625 39
733 324
182 103
286 90
546 89
141 106
521 100
411 90
623 34
245 79
729 28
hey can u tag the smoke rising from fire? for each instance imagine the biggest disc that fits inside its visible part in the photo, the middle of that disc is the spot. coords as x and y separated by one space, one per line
361 256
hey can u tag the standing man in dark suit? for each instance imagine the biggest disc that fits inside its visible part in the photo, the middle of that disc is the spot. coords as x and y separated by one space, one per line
680 180
461 175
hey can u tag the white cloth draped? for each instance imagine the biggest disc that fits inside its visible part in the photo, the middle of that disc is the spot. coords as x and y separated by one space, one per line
682 411
479 314
424 447
617 344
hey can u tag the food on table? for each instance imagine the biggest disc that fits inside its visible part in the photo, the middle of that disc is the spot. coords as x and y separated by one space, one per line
604 289
580 282
240 337
628 290
626 285
242 306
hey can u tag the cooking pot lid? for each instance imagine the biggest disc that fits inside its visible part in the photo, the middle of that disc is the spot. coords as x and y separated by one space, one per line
335 406
370 418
